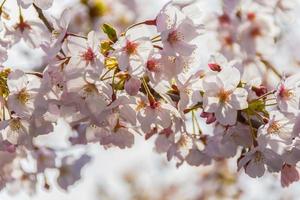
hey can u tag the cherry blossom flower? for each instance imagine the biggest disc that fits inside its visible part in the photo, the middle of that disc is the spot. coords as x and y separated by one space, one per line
288 94
154 113
254 31
177 40
278 128
197 158
132 54
60 26
223 97
202 96
69 171
113 132
16 131
27 31
45 158
289 174
256 161
23 92
85 53
93 98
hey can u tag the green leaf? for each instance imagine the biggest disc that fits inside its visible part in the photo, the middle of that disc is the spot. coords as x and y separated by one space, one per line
256 106
110 32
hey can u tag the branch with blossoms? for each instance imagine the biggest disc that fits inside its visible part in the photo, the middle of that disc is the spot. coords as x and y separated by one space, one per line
110 88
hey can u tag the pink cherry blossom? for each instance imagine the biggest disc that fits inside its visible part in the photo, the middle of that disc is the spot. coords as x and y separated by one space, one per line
289 174
223 97
288 94
23 92
256 161
201 96
132 54
69 171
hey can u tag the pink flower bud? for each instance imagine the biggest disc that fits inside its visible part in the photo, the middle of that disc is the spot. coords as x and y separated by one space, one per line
259 91
210 117
214 67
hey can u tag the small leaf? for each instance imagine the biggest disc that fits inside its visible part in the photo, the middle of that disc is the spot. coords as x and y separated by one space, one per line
110 32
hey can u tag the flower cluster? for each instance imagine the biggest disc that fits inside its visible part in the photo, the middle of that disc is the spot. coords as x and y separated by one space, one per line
112 88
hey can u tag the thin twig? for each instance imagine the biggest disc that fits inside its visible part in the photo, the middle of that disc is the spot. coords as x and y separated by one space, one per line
43 18
269 66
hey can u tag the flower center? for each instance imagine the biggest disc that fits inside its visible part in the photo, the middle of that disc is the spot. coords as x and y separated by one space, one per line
131 47
118 126
89 55
228 40
214 67
285 93
22 26
152 65
140 105
183 141
255 32
273 128
23 96
251 16
154 104
224 96
175 36
258 157
224 19
89 89
15 124
64 171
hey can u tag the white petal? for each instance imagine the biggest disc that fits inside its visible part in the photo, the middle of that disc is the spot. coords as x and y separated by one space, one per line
226 115
230 77
43 4
238 99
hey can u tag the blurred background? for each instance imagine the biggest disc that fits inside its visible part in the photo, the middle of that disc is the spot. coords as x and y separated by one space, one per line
140 173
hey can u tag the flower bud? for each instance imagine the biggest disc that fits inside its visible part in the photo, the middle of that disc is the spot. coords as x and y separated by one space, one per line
214 67
259 91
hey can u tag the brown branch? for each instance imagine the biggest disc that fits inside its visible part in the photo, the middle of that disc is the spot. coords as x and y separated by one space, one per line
43 18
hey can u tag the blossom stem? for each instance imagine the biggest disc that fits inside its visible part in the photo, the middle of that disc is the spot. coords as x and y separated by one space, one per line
194 128
263 118
155 37
271 99
251 129
194 118
195 107
147 22
76 35
102 78
265 95
20 14
40 75
157 40
158 47
273 104
148 92
3 112
2 4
